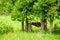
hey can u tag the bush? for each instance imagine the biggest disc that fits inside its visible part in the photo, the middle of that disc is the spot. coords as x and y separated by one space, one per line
4 28
56 29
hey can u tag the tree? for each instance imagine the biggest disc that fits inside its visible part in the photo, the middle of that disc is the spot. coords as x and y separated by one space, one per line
18 13
26 10
5 6
52 12
23 10
39 10
46 9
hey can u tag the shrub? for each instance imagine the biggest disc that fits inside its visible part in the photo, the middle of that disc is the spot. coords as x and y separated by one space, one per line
56 29
4 28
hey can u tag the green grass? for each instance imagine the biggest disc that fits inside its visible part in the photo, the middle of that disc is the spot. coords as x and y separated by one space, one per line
19 35
29 36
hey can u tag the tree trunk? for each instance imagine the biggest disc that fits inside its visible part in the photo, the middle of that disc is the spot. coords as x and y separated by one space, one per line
50 27
29 27
42 27
45 25
51 21
22 25
26 24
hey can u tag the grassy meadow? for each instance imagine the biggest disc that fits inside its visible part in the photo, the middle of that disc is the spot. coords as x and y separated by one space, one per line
17 34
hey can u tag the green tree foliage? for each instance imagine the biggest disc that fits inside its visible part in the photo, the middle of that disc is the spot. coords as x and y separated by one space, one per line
22 10
5 6
44 9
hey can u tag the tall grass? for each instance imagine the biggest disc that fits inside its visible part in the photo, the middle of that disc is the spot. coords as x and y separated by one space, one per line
29 36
